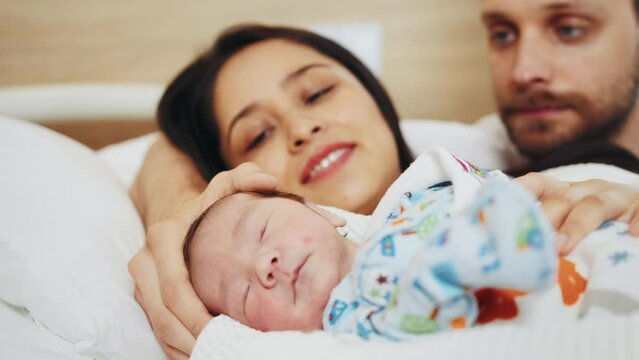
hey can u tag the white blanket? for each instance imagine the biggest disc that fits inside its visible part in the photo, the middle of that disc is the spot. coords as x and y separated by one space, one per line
613 337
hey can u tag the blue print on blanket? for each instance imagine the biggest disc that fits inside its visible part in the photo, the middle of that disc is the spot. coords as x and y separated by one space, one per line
620 257
440 186
417 273
388 246
530 233
488 257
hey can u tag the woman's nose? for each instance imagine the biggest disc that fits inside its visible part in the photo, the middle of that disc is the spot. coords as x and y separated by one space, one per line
302 133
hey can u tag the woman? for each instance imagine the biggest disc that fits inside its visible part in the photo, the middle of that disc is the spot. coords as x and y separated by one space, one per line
317 123
316 100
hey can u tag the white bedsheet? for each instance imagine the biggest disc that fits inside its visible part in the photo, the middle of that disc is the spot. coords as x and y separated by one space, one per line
615 338
24 339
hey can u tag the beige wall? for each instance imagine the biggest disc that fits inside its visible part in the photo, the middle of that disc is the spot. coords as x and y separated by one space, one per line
434 50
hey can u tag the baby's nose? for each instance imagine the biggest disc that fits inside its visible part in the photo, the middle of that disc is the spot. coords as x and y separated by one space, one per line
269 270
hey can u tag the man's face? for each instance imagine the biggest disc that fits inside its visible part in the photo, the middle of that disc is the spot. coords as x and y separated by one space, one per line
563 70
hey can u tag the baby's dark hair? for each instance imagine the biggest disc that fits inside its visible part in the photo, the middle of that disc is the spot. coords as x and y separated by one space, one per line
190 235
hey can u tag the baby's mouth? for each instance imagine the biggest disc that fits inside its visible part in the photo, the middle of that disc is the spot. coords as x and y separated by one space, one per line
296 274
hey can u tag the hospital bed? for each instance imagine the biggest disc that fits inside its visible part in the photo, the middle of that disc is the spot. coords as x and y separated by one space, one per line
69 229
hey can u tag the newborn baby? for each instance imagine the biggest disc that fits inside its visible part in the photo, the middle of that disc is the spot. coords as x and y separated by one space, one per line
267 260
276 262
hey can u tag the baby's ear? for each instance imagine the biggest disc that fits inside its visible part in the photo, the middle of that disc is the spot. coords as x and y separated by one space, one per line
335 220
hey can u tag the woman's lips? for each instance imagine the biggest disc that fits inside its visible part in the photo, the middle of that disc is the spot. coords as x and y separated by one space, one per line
326 161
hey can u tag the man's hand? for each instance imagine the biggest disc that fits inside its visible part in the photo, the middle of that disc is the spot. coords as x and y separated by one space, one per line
578 208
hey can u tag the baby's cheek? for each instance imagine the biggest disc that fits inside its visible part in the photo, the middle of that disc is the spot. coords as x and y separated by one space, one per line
265 314
307 240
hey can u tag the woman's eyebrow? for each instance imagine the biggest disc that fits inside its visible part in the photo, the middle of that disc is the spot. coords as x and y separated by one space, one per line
248 109
299 72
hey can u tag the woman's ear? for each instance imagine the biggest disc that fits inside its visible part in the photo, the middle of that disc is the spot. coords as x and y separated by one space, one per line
335 220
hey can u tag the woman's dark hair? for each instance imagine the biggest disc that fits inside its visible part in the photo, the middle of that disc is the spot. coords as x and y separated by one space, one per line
185 113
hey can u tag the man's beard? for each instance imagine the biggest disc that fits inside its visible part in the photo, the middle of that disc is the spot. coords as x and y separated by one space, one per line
599 118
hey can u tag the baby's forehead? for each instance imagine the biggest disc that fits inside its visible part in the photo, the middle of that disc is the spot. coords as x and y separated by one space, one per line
230 209
244 201
229 215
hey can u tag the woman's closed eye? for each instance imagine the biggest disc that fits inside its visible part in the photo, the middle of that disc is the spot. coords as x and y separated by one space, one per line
317 95
259 139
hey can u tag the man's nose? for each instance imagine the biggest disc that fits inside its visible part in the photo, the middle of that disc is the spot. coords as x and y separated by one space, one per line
533 63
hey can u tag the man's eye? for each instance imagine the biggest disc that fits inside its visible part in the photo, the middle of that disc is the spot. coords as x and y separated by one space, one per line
314 97
570 32
502 36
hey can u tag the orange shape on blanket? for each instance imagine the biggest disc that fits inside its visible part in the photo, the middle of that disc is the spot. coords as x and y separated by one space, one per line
572 284
481 217
496 304
458 323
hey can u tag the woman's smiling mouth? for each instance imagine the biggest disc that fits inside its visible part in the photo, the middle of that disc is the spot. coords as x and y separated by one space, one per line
326 161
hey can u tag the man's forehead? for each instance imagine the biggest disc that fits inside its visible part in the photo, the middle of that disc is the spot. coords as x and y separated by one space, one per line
500 6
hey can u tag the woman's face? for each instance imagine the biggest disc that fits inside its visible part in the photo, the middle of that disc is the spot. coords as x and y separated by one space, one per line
307 120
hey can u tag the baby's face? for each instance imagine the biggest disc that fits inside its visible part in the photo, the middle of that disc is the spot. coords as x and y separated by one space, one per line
270 263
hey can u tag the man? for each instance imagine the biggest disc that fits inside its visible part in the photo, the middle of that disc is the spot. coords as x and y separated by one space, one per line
566 72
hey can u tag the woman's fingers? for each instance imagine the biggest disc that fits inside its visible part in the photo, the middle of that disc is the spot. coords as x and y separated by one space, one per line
173 353
180 298
169 331
163 288
177 293
166 241
245 177
174 302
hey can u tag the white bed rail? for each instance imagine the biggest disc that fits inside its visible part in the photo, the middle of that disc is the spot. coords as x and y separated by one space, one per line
48 103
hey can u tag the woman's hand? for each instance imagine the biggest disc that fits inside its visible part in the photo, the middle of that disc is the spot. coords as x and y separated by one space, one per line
576 209
162 281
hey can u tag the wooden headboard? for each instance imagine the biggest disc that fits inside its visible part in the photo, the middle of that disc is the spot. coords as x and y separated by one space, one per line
434 60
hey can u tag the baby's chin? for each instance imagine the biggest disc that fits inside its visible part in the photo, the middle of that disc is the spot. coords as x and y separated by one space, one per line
307 324
307 318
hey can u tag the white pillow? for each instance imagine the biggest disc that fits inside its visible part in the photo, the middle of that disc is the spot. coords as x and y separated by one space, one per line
68 229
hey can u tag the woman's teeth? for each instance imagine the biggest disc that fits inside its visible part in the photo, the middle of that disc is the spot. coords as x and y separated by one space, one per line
328 160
